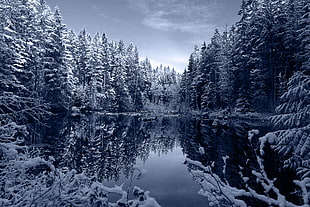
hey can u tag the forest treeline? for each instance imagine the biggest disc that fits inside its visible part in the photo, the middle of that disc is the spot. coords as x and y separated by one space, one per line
248 67
48 70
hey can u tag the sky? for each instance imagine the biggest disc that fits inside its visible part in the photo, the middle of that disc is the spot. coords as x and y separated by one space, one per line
165 31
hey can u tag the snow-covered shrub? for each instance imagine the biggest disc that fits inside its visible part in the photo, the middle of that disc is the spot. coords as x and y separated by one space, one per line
11 138
26 181
54 188
220 193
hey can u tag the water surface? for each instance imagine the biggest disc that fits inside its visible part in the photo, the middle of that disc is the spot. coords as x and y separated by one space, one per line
108 147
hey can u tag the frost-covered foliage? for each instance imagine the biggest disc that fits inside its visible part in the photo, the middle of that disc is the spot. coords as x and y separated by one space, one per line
293 122
269 138
214 188
294 110
221 193
35 182
26 181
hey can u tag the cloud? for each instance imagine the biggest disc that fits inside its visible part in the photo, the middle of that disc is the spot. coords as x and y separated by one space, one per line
104 15
188 16
114 19
94 7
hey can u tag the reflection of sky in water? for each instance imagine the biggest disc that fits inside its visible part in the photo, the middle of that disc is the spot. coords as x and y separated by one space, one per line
169 181
110 146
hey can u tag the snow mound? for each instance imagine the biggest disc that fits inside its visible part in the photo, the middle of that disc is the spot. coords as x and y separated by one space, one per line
252 133
270 138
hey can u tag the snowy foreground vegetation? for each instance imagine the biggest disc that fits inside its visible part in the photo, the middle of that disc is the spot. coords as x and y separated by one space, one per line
24 184
49 76
221 193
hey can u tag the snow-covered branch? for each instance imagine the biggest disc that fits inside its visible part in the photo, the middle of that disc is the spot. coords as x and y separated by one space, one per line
221 193
214 188
20 107
52 187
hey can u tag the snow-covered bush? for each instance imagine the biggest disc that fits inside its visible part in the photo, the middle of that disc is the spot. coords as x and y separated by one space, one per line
220 193
27 181
53 187
11 136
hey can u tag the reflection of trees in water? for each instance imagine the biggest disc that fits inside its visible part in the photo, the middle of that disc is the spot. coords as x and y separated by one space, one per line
216 142
109 145
231 139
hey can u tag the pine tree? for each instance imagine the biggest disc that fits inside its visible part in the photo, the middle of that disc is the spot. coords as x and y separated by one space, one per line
118 75
242 59
304 36
293 120
106 97
13 56
184 88
57 68
194 90
210 72
133 78
95 71
226 72
146 73
20 59
83 69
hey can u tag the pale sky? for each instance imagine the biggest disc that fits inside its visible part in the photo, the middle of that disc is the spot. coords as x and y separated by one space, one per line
165 31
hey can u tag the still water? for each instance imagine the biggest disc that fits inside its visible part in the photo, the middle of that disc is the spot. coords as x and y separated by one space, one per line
109 148
168 180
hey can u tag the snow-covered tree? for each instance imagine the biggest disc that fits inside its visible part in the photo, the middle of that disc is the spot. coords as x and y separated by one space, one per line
57 70
293 121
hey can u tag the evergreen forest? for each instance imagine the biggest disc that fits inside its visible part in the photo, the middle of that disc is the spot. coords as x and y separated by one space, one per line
257 69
